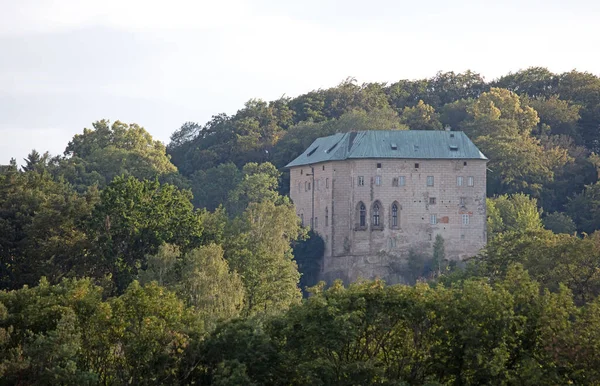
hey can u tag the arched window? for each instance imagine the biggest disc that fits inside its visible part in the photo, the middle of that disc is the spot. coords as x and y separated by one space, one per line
326 216
394 215
362 215
376 216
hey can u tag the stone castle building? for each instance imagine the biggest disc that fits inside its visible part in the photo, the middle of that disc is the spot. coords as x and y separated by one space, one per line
375 195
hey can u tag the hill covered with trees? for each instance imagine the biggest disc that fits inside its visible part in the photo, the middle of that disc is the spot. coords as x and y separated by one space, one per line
127 261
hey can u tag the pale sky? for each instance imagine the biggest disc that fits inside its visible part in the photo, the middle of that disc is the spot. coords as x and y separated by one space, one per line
67 63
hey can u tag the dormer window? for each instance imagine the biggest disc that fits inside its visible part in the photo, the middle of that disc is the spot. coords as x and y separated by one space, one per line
453 148
394 146
312 151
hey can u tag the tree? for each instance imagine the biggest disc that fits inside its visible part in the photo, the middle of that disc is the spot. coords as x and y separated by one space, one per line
36 161
259 183
40 228
584 209
106 151
439 254
213 186
258 248
558 115
308 254
421 117
201 278
501 126
533 81
516 212
559 223
151 330
134 218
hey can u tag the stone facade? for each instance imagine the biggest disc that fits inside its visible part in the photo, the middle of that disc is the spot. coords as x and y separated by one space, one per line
371 212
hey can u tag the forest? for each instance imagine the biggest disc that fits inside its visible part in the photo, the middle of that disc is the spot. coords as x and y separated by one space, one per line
128 261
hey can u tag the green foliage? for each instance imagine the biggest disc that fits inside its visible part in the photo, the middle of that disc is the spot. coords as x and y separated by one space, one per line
421 117
584 208
201 278
516 212
258 248
308 254
40 228
106 151
559 223
211 187
439 254
134 218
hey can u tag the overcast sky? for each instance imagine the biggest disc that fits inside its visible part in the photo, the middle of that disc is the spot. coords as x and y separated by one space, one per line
67 63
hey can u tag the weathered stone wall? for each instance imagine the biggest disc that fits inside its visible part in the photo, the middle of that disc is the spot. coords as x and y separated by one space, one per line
353 251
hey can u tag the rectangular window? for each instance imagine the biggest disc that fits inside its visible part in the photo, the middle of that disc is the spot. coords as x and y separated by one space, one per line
309 186
470 181
378 166
465 219
316 222
326 183
416 166
305 186
377 180
394 182
431 200
459 181
402 181
361 181
302 219
433 219
463 201
429 180
299 187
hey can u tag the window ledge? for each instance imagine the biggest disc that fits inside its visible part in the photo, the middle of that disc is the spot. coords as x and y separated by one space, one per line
359 228
376 227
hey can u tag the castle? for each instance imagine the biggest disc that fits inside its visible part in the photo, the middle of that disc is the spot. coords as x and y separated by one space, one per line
375 195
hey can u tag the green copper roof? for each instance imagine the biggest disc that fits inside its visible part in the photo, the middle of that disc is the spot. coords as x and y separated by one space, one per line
417 144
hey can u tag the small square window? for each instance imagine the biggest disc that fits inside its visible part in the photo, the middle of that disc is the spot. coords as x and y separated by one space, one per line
378 166
459 181
465 219
361 181
433 219
465 163
402 181
470 181
431 200
378 180
416 166
429 180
